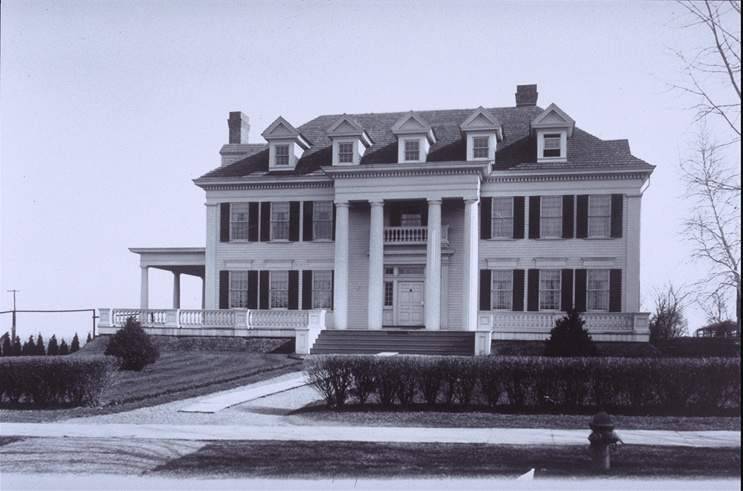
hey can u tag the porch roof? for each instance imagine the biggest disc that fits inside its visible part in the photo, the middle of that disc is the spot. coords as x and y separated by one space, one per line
184 260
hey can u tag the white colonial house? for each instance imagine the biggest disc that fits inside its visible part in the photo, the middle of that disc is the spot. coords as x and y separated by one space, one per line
420 231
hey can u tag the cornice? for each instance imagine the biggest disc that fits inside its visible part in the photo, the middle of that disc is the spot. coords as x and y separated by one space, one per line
241 186
567 176
403 170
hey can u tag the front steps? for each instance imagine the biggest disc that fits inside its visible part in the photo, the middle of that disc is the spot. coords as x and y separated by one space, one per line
412 342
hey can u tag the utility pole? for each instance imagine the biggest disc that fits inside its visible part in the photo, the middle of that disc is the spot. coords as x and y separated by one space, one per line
12 328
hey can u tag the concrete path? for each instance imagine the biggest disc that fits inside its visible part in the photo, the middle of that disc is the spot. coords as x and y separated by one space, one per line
492 436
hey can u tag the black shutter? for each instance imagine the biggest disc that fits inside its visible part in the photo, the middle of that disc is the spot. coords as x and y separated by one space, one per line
518 290
617 212
485 289
265 221
294 221
332 290
532 294
615 290
252 289
519 221
333 221
566 302
568 222
224 222
307 221
534 212
224 289
395 214
486 210
263 290
424 214
581 229
253 222
306 289
580 290
293 290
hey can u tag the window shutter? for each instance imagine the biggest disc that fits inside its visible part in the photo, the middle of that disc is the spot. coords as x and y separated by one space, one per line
307 221
306 289
332 290
518 219
517 304
253 222
615 290
617 212
252 289
333 221
224 222
566 301
485 289
263 290
224 289
293 290
568 221
294 221
265 221
486 224
581 230
580 290
534 209
532 294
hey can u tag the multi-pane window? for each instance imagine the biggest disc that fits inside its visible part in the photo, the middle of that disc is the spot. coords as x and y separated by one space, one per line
389 291
502 289
238 289
597 290
412 150
480 147
502 218
281 156
239 221
552 145
322 289
345 152
599 216
549 289
322 220
279 289
411 219
550 218
280 221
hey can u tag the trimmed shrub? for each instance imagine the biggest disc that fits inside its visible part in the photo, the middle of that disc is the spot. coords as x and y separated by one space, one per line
569 337
691 347
132 345
332 377
364 382
53 381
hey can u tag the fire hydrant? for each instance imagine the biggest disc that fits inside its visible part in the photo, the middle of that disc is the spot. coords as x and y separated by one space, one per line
603 438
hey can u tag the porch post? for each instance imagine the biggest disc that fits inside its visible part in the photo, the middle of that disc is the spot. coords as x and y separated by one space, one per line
176 290
376 265
203 293
471 258
433 266
340 289
144 287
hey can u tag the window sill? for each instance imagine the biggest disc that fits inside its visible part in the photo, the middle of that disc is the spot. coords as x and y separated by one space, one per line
550 238
279 241
502 239
322 241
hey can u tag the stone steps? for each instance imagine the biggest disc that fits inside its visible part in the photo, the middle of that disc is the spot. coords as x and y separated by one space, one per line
399 341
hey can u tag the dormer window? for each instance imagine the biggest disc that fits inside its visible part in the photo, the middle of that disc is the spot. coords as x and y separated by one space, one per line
553 128
345 152
482 131
414 138
285 145
412 150
282 155
552 146
480 147
349 139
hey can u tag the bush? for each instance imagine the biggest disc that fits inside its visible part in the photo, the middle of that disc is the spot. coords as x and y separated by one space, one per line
53 381
690 347
133 346
569 337
331 376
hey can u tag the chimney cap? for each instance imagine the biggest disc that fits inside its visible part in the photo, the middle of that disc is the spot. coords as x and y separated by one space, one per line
239 127
526 95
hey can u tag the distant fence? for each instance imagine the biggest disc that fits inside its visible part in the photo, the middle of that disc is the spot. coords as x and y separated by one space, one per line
93 314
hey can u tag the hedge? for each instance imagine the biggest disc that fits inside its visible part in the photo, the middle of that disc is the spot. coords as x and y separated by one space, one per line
38 381
651 386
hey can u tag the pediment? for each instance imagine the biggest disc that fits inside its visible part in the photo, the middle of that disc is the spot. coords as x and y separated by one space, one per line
554 117
346 126
281 129
411 123
480 119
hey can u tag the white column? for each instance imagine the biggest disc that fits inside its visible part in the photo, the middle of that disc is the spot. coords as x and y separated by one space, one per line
203 293
211 288
376 265
471 260
176 290
340 291
144 294
433 266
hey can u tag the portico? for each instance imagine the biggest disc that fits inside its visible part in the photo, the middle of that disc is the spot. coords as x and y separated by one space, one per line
177 260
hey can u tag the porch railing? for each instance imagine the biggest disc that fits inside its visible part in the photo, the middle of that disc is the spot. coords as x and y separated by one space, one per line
543 322
412 235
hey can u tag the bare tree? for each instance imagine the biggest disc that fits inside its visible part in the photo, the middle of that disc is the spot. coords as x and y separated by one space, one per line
668 320
715 307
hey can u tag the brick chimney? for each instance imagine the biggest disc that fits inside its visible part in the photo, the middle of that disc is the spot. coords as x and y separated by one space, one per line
239 125
526 95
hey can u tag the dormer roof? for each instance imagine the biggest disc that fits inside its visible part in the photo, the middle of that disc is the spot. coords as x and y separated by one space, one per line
346 126
552 118
281 129
412 123
482 120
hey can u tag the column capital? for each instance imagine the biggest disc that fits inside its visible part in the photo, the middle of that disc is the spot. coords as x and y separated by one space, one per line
471 201
434 201
342 204
376 202
213 205
142 266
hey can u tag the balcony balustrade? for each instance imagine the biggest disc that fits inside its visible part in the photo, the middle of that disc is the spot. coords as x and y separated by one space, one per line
412 235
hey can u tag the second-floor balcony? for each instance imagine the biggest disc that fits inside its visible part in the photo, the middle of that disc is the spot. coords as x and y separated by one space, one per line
412 235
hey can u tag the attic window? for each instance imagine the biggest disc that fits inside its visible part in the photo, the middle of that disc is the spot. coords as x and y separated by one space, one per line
345 152
480 147
412 150
552 145
282 155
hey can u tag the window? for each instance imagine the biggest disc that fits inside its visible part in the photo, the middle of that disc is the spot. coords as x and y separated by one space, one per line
480 147
412 269
549 289
599 216
597 290
280 221
550 217
411 220
502 289
281 156
238 289
345 152
552 145
322 220
279 289
239 221
389 290
502 218
322 289
412 150
389 270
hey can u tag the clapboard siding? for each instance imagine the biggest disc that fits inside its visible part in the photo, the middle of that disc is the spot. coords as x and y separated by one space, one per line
358 266
453 215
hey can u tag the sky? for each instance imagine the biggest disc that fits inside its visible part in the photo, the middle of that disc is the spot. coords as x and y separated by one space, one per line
110 109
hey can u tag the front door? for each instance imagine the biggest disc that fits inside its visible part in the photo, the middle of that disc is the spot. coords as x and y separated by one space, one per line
410 303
